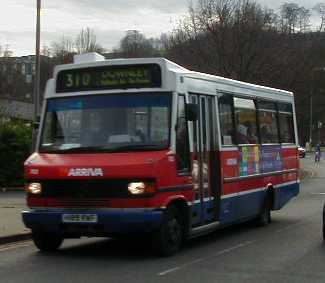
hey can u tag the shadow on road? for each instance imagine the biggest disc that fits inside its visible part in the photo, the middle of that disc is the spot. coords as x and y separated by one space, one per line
139 249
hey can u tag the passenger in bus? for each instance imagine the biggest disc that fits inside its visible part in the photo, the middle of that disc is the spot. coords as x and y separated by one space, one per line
140 134
242 137
94 135
251 133
266 135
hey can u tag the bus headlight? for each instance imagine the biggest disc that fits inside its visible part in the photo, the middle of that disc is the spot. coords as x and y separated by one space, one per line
140 188
34 188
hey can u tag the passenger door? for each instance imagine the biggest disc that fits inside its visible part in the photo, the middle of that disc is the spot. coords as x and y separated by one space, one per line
205 162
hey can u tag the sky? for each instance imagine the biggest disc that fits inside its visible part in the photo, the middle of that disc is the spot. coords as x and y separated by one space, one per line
109 19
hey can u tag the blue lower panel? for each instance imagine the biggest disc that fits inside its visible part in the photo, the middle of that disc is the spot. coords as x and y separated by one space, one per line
243 206
228 208
249 205
110 222
284 194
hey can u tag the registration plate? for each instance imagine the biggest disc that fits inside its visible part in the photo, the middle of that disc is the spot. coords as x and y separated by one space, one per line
79 218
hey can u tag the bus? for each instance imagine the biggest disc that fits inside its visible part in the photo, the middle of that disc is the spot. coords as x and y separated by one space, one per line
146 147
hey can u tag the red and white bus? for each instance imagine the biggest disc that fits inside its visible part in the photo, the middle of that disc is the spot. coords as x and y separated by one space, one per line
145 146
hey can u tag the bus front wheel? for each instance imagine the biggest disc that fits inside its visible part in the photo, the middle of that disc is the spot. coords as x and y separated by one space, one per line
47 242
168 239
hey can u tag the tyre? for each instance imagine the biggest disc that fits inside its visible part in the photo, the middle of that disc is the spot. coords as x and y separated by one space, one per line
47 242
168 239
264 217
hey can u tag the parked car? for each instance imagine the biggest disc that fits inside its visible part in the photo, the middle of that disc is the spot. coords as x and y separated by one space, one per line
302 152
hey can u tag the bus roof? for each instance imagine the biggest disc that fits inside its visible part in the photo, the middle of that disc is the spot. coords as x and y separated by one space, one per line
170 69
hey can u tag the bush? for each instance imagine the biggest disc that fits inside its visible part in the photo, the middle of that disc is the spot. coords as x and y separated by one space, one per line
15 146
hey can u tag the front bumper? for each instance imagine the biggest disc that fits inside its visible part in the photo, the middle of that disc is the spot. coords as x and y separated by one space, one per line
110 222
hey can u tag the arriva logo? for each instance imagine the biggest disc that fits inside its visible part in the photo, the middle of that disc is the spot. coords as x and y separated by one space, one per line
93 172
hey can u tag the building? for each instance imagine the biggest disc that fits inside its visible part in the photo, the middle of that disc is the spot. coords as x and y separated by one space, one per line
16 109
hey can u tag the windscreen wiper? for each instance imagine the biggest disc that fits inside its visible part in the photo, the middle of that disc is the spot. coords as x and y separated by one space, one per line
138 147
78 149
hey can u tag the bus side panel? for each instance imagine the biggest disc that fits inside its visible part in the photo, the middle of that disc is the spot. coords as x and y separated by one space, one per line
251 197
284 193
289 185
290 158
229 193
250 204
228 204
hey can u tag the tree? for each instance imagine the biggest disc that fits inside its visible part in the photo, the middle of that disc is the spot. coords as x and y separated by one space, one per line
135 44
303 19
5 51
15 142
289 17
320 9
224 37
86 42
62 51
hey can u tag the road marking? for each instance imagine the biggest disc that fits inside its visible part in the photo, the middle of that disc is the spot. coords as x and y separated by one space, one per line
21 244
176 268
317 193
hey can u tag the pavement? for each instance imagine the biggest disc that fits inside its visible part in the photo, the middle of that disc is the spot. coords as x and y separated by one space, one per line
310 169
12 202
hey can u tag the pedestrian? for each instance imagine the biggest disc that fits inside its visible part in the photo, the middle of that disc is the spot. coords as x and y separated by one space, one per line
317 153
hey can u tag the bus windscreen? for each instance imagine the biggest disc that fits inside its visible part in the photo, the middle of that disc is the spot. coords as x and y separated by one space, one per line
107 123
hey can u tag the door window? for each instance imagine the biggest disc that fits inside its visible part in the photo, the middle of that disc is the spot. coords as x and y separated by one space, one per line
182 143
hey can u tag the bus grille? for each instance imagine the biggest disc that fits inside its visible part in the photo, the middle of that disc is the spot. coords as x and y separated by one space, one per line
85 189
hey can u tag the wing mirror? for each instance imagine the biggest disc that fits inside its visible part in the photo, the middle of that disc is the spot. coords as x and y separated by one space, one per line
36 123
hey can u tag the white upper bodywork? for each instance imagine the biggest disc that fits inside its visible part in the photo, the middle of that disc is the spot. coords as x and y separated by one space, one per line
174 78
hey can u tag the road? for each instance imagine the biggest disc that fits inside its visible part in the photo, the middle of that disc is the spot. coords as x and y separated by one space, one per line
290 249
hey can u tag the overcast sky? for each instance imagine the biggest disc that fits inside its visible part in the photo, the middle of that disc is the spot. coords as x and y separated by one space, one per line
110 19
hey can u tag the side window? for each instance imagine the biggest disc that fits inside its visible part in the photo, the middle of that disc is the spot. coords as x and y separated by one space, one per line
287 132
267 115
227 127
245 117
182 144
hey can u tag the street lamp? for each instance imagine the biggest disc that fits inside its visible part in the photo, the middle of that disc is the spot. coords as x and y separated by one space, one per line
311 103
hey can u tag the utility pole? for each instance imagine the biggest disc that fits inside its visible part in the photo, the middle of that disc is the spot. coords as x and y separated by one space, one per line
311 116
312 92
37 74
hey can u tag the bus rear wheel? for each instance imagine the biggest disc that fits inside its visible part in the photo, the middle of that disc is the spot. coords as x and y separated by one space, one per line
168 239
47 242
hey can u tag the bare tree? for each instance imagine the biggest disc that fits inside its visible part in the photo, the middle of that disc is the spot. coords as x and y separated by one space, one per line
86 42
304 19
225 37
46 51
5 51
63 50
320 9
289 17
135 44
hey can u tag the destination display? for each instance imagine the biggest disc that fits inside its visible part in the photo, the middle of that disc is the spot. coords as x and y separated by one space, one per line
109 77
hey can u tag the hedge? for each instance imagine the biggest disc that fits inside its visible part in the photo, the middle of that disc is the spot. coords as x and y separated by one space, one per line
15 146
